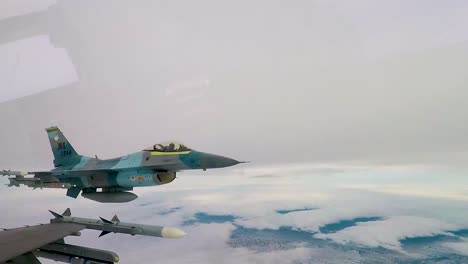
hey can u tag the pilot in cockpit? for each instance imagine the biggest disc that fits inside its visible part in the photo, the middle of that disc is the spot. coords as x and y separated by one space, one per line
169 147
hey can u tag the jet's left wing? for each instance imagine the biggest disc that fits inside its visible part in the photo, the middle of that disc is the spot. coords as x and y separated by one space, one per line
49 179
51 175
17 243
41 179
48 176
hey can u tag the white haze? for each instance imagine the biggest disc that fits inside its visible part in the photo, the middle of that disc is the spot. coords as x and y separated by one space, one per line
266 81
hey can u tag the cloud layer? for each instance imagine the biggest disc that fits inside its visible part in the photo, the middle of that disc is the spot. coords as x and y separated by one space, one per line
234 200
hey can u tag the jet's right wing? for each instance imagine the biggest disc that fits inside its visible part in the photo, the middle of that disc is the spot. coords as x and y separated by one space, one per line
17 243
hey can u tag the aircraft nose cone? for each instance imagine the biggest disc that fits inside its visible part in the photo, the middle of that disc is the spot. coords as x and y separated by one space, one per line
208 161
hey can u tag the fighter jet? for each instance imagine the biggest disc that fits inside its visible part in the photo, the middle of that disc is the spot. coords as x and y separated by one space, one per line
108 181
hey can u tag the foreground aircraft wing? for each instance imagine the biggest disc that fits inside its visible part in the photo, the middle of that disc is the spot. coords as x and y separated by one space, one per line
52 179
48 176
24 245
17 244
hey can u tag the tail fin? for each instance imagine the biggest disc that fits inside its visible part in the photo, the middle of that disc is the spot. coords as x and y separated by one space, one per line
64 153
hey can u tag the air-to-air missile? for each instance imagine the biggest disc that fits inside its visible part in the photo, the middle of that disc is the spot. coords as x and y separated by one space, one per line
60 251
37 183
115 226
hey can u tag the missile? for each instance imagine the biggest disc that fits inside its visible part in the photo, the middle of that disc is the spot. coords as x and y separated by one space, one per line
115 226
57 185
37 183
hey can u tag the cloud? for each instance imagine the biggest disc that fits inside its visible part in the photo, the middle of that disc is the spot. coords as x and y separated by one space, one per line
455 193
459 247
387 233
205 243
254 203
256 95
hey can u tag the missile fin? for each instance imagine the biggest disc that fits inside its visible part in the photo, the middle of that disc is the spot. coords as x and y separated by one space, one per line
55 214
67 212
103 233
115 219
106 221
13 182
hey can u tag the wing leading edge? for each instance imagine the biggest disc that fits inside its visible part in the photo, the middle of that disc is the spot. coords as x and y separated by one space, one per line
19 241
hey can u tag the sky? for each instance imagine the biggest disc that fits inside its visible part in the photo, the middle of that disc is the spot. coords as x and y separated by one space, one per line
342 106
379 81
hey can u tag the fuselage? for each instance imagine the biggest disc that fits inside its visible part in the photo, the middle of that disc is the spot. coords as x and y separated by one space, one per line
144 168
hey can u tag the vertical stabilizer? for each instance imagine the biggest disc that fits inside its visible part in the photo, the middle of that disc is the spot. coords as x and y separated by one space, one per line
64 153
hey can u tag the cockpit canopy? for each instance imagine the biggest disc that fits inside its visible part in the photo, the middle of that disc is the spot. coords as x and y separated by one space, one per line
168 147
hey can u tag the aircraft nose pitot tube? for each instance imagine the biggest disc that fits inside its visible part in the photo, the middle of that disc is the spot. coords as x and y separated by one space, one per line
215 161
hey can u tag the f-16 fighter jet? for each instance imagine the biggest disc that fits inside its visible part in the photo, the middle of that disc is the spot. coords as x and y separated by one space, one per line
155 165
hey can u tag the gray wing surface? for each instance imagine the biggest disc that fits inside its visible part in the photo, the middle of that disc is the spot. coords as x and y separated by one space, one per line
19 241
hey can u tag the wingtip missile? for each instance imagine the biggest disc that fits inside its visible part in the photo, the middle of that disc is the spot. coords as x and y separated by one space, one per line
116 226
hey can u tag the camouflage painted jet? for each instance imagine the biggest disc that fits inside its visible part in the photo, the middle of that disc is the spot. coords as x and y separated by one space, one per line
155 165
